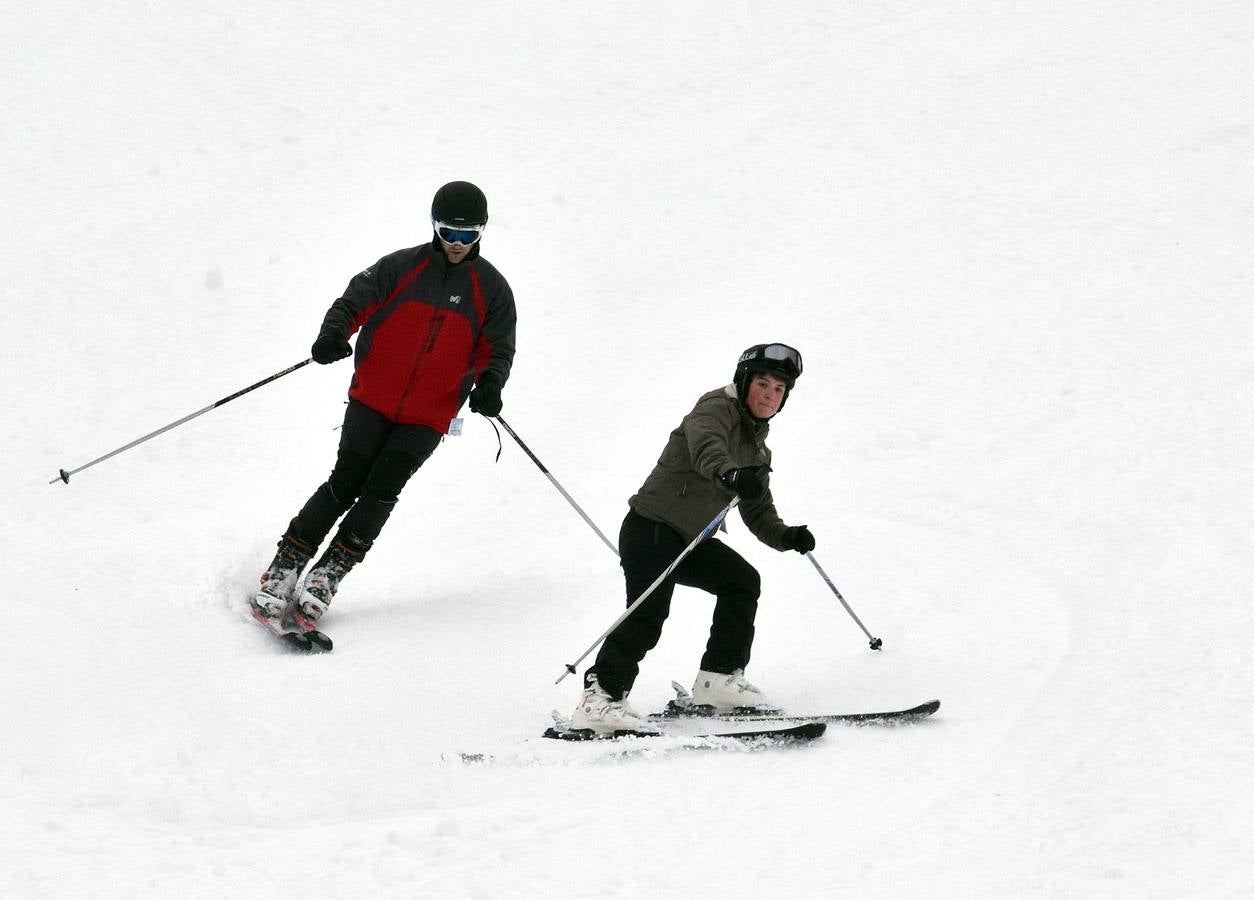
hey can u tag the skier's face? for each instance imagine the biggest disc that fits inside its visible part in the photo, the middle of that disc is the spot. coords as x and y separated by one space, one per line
766 393
455 252
456 240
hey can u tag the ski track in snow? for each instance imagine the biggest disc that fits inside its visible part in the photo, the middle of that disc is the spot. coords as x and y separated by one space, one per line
192 805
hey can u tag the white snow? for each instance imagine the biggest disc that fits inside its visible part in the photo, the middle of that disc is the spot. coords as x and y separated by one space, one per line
1013 242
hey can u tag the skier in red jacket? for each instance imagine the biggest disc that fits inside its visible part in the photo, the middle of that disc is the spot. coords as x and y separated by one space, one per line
435 326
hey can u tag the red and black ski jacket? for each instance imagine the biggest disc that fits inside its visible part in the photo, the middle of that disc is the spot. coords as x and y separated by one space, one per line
429 331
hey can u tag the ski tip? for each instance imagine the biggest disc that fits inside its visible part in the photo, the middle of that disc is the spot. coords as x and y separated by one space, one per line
907 716
296 641
790 734
292 640
807 731
903 717
318 641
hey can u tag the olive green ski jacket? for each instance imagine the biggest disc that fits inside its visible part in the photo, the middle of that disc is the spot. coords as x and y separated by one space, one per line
683 490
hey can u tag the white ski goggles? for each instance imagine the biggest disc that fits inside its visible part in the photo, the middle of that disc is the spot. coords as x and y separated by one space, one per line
458 234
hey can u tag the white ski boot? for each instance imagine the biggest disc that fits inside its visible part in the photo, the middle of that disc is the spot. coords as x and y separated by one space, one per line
324 578
279 580
729 691
600 712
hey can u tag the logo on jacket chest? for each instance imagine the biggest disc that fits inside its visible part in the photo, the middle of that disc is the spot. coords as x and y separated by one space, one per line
454 299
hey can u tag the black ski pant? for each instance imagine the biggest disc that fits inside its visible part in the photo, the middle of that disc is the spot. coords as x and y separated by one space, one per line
376 458
646 548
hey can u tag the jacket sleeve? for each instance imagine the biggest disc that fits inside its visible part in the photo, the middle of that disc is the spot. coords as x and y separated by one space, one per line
494 350
707 430
761 518
366 292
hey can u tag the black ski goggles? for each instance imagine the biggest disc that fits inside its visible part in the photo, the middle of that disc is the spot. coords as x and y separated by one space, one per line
778 358
465 235
788 359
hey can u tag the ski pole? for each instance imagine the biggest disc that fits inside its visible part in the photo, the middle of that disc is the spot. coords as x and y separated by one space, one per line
556 484
65 476
709 529
876 643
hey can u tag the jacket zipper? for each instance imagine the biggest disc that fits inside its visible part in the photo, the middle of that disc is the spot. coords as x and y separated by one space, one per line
427 345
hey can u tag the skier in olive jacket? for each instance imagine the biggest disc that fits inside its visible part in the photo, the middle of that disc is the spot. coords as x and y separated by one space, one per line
717 452
435 326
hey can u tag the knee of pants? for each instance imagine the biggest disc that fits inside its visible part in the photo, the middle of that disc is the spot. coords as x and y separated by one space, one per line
389 474
753 582
744 582
347 478
739 577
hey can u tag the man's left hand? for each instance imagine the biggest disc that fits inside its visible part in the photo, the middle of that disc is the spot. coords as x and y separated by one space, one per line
798 537
486 397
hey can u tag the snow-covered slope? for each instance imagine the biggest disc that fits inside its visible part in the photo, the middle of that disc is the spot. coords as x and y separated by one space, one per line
1014 245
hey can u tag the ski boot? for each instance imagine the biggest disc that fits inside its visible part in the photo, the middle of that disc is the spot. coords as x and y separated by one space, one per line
599 712
278 582
324 578
729 692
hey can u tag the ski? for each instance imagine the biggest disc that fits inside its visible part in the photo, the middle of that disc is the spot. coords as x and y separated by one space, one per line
887 717
682 707
309 629
782 734
666 737
294 640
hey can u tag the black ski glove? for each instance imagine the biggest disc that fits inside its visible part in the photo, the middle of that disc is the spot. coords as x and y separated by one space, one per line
747 481
486 397
328 348
798 537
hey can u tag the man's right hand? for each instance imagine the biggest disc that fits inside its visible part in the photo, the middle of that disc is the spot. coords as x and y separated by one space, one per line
746 481
329 348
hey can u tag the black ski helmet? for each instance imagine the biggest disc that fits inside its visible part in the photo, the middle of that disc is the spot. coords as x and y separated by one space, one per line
775 359
459 203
